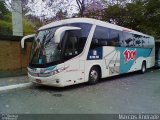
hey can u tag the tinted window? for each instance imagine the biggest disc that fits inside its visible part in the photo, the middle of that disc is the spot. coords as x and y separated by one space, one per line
121 39
71 41
106 37
100 37
140 41
85 28
110 37
134 40
128 40
113 37
74 41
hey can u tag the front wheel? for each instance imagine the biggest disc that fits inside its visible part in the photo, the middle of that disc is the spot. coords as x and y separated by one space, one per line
143 68
94 75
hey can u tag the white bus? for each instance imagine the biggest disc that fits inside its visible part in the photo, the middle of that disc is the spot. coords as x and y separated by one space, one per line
79 50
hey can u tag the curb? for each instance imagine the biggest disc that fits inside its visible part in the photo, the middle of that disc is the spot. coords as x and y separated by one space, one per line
15 86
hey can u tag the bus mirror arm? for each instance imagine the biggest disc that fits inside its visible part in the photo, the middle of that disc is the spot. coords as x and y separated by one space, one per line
59 33
24 38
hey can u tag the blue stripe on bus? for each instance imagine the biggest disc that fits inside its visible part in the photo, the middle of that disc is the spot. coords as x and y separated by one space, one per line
126 66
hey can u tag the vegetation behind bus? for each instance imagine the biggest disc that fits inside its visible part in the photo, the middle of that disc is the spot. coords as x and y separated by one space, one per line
140 15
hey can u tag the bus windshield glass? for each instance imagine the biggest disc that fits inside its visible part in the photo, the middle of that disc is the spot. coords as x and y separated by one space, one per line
44 49
46 52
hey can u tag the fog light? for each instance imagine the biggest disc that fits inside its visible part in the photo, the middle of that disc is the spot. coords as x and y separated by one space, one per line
57 81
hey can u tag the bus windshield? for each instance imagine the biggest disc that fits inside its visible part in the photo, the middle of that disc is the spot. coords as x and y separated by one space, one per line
44 49
46 52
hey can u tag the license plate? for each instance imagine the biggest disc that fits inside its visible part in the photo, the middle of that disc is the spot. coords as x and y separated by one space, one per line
38 81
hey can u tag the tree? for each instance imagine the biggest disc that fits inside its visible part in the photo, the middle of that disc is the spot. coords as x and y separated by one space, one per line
152 16
3 10
114 14
47 8
89 8
81 6
61 15
134 15
33 21
140 15
95 9
5 20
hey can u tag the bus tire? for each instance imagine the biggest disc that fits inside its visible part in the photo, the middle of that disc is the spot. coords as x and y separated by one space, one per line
143 67
94 75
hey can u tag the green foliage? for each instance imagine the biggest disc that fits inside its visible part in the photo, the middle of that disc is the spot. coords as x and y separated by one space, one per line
8 17
5 28
27 27
114 12
34 20
6 25
140 15
6 22
3 10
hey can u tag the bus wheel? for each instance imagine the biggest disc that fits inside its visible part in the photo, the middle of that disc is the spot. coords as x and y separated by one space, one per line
143 68
94 75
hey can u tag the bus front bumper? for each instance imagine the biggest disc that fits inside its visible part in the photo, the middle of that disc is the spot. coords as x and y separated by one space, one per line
49 81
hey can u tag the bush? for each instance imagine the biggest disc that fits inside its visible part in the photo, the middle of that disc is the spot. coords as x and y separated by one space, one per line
5 28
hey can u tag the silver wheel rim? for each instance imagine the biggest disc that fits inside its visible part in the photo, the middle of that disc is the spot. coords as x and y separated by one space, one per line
94 75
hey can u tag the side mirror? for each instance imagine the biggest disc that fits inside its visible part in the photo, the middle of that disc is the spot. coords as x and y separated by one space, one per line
24 38
59 33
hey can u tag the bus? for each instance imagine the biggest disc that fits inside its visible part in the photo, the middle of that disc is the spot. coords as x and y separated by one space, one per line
157 56
79 50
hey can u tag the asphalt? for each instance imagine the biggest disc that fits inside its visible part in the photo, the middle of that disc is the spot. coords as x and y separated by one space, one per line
7 81
128 93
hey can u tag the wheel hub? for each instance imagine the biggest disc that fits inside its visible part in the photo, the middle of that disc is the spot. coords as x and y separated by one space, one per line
94 75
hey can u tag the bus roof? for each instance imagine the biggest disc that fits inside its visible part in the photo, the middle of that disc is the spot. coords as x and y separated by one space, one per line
91 21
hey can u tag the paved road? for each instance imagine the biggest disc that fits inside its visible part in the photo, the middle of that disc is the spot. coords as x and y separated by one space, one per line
129 93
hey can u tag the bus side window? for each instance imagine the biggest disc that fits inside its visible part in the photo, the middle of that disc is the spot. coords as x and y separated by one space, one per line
113 37
81 43
100 37
74 44
121 39
128 39
71 46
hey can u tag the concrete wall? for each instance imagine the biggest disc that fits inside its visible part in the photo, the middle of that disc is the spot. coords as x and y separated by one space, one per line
13 59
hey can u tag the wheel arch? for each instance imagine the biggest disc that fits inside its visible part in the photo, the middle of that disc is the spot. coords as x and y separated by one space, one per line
144 62
95 65
143 67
